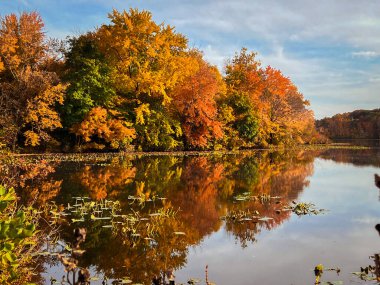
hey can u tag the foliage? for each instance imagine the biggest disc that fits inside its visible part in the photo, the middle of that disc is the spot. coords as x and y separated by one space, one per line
17 239
134 83
149 58
89 78
360 124
157 130
29 93
98 124
195 102
267 106
241 117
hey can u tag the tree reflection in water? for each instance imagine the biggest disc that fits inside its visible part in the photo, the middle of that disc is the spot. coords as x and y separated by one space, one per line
201 187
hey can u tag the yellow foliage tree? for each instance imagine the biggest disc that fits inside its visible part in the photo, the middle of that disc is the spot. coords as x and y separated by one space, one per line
100 125
149 58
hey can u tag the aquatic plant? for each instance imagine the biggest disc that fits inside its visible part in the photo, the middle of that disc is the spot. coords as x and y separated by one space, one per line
370 272
262 198
18 239
303 208
241 216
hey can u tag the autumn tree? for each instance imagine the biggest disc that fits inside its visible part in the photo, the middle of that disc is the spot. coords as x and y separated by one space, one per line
148 61
244 74
99 127
156 126
286 114
29 92
195 102
267 107
149 58
240 107
89 78
359 124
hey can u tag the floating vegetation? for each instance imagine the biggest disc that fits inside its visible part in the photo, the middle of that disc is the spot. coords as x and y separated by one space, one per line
302 208
366 273
134 224
263 198
370 272
135 227
241 216
141 199
125 280
318 272
338 282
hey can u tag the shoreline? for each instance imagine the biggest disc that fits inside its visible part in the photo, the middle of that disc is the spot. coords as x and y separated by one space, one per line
186 153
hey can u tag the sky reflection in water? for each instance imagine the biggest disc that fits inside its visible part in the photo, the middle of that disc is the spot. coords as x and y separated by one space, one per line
284 250
343 237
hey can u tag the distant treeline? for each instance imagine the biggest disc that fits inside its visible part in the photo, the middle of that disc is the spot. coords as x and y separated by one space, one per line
360 124
134 84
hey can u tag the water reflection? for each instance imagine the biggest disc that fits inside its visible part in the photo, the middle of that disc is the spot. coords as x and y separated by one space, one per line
357 157
202 188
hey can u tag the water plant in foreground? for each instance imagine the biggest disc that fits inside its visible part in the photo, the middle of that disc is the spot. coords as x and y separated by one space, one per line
135 227
18 239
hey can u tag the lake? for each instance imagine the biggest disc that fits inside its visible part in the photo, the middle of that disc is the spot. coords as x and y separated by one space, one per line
230 212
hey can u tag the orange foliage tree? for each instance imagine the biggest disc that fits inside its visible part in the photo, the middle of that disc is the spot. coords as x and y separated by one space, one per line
195 101
29 92
280 108
284 108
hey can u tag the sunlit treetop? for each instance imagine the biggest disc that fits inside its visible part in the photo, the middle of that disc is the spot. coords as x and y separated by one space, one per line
149 58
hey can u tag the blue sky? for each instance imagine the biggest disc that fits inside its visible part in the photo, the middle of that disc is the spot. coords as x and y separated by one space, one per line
329 48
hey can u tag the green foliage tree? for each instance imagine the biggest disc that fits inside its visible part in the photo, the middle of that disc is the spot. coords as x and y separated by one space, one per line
156 128
89 78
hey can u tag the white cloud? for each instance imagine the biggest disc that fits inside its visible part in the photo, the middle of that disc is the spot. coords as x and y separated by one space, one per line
365 54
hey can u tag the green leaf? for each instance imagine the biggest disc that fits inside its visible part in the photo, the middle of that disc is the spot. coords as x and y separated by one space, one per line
30 227
2 190
27 233
11 257
8 246
21 215
3 205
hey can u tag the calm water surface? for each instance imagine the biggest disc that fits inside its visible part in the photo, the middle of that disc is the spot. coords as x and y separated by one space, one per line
283 249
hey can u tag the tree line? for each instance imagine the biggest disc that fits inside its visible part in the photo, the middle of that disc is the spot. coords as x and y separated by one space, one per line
133 84
359 124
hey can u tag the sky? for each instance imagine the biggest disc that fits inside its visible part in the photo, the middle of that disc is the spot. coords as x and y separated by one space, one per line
329 48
